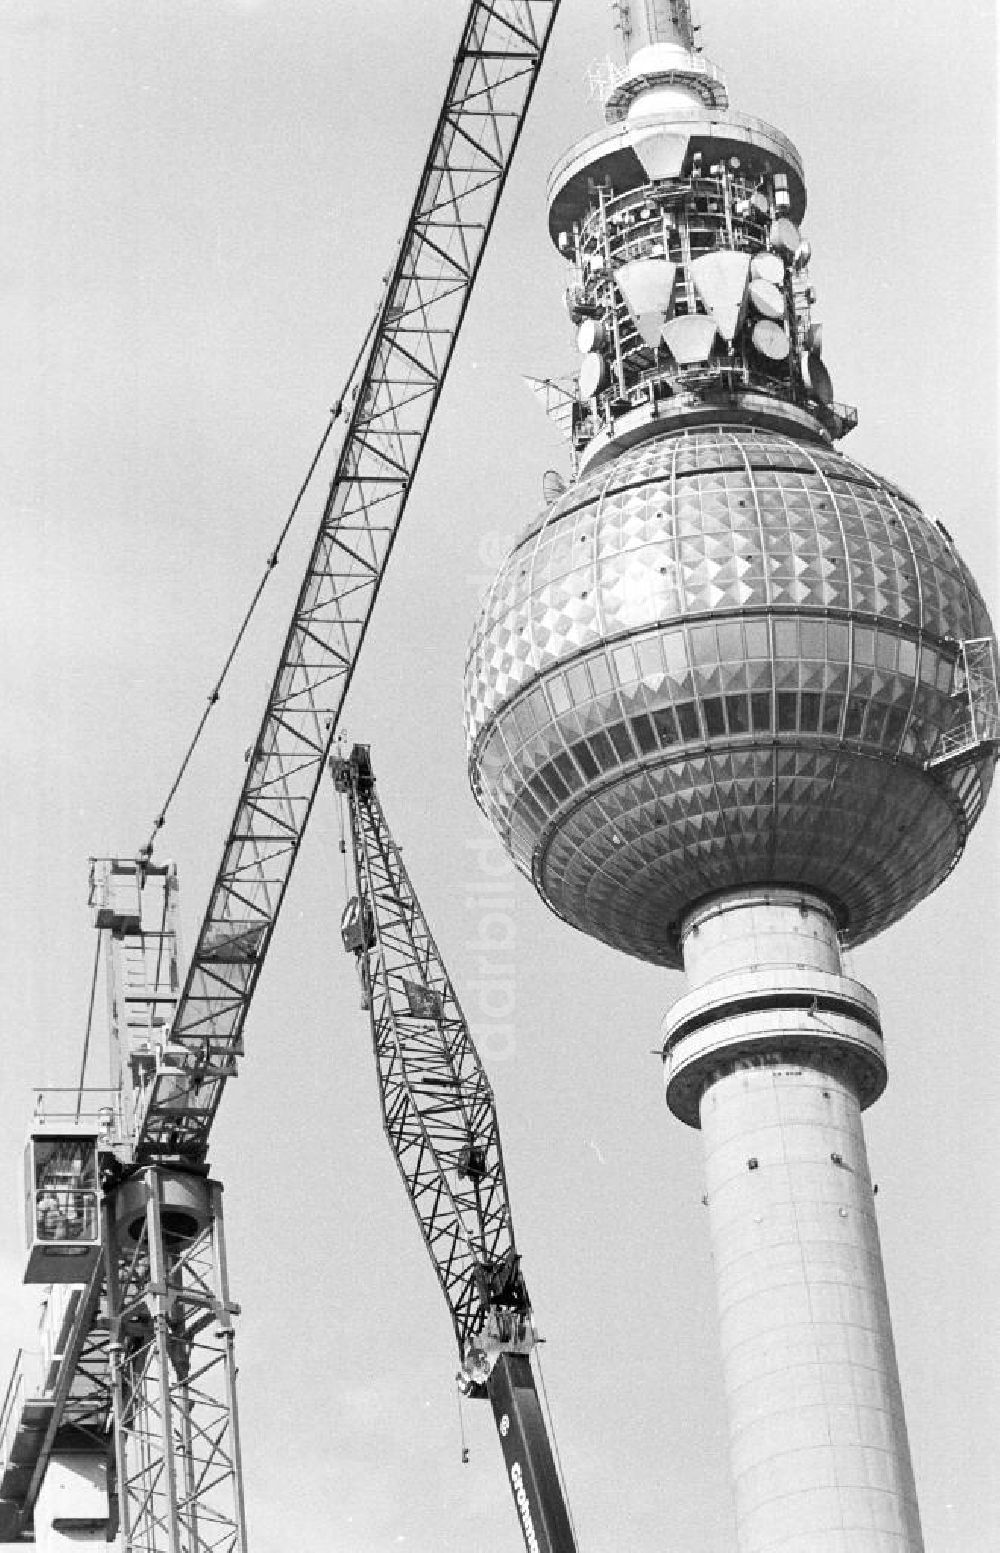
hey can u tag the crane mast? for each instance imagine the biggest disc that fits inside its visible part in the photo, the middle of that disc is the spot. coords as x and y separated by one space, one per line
141 1351
440 1119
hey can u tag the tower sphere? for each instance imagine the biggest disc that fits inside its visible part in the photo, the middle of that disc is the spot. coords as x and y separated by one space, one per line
724 658
727 656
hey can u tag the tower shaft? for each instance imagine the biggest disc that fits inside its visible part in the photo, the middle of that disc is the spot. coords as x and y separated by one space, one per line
727 681
780 1051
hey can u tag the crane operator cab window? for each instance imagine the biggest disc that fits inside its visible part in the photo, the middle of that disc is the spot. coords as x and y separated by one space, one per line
62 1210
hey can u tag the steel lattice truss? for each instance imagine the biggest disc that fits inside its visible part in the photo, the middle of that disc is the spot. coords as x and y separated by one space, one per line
437 1104
173 1372
85 1416
491 83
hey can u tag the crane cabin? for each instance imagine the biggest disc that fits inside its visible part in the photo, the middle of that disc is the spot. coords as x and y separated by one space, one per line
62 1206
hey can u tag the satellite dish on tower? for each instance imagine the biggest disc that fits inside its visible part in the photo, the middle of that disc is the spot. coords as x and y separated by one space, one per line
593 374
592 335
817 379
814 339
771 340
769 267
767 300
785 237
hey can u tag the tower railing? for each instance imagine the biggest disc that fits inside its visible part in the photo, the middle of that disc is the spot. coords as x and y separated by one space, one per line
977 723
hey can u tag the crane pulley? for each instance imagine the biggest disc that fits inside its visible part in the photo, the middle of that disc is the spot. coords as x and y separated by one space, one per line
440 1119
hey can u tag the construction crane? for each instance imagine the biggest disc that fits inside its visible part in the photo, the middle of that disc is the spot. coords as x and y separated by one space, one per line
441 1122
125 1224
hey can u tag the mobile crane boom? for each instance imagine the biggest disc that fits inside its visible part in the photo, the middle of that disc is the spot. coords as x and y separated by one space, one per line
441 1122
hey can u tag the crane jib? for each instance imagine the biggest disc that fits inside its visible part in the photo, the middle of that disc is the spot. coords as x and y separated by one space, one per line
438 1110
440 1118
424 302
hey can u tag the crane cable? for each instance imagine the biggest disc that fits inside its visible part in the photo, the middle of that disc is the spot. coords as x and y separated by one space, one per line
146 852
343 799
89 1027
461 1425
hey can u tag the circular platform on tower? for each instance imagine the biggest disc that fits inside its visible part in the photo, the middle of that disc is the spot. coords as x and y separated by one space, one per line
725 658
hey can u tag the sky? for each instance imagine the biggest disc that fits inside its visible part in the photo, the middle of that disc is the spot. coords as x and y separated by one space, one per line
199 200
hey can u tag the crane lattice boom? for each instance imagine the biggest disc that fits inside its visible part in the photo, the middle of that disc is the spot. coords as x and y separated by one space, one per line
491 83
441 1122
437 1103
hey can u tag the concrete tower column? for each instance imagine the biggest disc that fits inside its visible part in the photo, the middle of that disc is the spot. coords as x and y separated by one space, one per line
774 1053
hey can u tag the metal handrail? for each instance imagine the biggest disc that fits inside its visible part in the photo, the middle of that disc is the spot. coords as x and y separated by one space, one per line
106 1099
6 1410
17 1391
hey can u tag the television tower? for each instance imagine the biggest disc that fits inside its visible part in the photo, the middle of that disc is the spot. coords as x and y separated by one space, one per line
731 704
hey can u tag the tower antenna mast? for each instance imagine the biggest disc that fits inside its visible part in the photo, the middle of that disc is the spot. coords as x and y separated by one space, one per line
648 23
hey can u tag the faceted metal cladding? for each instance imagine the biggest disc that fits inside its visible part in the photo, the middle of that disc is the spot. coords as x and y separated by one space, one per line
724 659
